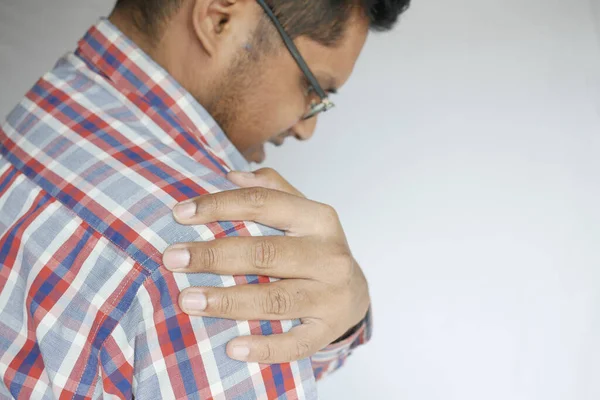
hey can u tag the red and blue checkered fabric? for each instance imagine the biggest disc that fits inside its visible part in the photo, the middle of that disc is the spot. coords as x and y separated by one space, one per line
92 161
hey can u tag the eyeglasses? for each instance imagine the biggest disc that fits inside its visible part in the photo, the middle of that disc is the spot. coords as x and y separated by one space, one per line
316 107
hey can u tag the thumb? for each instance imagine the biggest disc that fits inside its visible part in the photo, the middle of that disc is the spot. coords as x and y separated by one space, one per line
266 177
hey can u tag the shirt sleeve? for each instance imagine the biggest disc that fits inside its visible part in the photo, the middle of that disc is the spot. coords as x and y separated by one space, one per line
334 356
164 353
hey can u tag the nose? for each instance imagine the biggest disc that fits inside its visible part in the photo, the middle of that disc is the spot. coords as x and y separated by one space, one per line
304 129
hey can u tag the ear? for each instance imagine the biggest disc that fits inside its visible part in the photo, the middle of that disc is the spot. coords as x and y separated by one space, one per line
212 21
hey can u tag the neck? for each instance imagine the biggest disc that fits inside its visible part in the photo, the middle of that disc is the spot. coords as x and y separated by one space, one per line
123 21
173 52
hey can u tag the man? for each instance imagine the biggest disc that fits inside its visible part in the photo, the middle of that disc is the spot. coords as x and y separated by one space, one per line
112 177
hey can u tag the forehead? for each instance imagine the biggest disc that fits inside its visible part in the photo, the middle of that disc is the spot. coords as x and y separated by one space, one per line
338 61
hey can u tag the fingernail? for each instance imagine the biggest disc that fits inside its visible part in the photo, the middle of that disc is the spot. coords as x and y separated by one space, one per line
176 259
185 210
194 302
240 353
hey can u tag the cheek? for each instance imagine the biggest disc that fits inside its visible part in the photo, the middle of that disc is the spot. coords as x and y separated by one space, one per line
289 106
277 113
268 108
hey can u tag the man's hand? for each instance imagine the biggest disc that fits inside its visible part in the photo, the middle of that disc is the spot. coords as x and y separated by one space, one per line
321 284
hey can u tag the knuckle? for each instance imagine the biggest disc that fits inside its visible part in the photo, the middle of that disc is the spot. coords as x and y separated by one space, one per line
266 352
345 263
269 173
264 254
346 275
277 302
330 213
340 252
341 261
227 304
256 197
302 349
209 257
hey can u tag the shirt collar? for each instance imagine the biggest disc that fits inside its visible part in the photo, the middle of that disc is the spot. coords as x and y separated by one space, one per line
109 52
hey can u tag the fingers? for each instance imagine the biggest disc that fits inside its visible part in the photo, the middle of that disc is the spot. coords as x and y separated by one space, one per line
288 299
266 177
292 214
274 256
300 342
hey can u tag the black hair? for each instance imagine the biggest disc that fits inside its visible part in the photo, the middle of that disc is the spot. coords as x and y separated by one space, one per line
321 20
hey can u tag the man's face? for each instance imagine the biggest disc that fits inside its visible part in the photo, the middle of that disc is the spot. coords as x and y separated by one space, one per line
263 96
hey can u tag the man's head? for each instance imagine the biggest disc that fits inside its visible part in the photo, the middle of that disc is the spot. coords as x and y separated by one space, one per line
229 55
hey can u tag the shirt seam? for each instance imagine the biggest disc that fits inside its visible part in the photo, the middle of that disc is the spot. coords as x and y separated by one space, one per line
127 282
71 210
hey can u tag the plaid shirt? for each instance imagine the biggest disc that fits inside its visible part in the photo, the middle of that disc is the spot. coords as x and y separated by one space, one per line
92 161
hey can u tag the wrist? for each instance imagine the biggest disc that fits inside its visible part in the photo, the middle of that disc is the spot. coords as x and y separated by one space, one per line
351 331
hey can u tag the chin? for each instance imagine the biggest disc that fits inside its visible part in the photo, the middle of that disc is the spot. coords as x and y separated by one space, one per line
256 156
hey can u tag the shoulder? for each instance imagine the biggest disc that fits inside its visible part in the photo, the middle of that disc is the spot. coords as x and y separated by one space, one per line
100 157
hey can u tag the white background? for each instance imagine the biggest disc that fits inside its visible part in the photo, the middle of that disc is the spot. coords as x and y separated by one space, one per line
464 159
